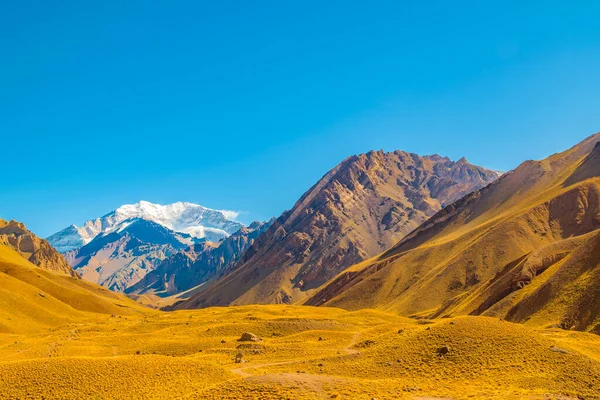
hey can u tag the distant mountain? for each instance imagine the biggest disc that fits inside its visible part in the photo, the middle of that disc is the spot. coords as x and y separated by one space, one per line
38 251
192 219
525 248
361 207
121 257
198 264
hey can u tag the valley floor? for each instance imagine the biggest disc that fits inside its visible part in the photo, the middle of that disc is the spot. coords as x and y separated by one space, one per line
306 352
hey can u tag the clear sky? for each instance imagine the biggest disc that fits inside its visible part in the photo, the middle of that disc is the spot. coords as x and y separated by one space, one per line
243 105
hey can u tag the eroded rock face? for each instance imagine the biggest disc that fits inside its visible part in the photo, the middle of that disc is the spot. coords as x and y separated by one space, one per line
38 251
360 208
249 337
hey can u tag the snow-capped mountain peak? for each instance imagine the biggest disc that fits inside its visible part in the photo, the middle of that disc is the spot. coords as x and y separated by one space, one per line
192 219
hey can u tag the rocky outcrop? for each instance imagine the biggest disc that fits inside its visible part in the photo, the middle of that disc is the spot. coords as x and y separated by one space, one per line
36 250
361 207
249 337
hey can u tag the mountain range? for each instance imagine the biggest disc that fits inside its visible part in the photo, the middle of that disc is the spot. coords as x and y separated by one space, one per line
120 248
525 248
197 264
361 207
484 286
420 236
192 219
122 257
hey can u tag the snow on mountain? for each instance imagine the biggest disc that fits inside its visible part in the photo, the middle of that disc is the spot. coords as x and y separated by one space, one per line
192 219
123 255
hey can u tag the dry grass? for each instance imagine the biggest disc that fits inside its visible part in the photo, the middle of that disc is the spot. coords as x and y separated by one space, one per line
33 299
305 353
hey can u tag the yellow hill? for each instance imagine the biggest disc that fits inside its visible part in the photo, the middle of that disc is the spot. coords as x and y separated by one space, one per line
64 338
525 248
33 298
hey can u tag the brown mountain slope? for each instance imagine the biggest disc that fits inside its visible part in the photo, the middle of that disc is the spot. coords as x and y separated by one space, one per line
38 251
526 248
361 207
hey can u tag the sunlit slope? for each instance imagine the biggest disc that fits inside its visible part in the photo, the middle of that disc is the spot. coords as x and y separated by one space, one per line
303 353
358 209
525 248
14 234
32 298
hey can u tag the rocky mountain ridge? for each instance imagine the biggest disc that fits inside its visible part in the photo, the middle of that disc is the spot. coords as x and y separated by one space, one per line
119 259
361 207
192 219
198 264
525 248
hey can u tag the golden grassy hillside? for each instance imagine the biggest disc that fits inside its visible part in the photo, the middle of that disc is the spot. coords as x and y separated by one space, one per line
32 298
306 353
526 248
63 338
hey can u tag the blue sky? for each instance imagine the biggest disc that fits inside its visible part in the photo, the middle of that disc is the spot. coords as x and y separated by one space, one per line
244 105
